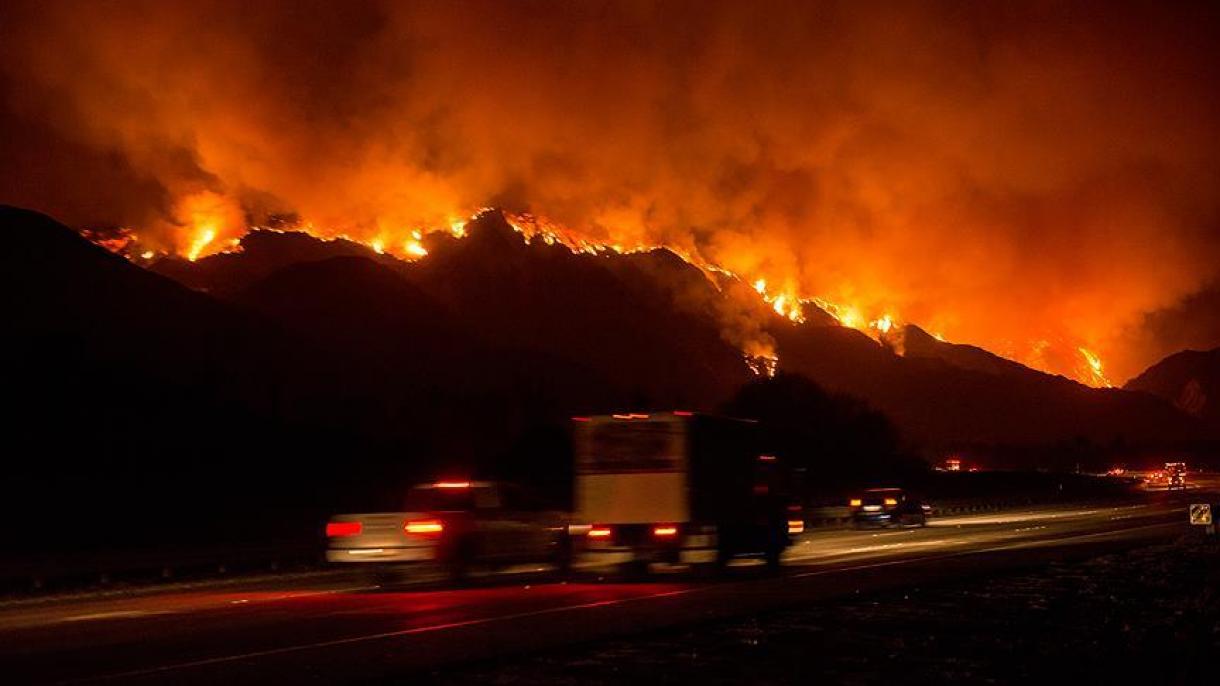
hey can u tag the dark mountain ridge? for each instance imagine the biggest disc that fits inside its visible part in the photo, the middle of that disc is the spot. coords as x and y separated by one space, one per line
657 326
305 378
1190 380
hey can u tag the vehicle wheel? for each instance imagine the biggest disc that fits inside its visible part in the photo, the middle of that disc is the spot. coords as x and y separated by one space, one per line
382 576
635 569
563 558
773 557
458 565
724 555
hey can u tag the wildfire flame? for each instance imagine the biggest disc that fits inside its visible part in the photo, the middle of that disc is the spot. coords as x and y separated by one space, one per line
208 217
785 304
200 242
1094 369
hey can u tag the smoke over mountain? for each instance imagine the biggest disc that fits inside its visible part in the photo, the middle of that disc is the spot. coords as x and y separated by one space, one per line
1031 179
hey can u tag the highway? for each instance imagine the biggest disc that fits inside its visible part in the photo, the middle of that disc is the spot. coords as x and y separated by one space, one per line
333 626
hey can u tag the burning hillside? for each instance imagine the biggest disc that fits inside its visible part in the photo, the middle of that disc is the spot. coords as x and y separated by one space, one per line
510 330
1039 193
746 333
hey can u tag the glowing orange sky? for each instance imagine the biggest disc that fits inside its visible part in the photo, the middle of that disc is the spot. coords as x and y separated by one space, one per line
1031 180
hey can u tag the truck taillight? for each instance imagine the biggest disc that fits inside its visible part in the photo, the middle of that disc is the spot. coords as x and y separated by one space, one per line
856 502
599 532
664 531
891 501
337 529
424 526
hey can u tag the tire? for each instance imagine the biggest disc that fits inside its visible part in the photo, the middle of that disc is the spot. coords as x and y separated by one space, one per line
773 556
563 558
458 566
635 569
382 576
724 555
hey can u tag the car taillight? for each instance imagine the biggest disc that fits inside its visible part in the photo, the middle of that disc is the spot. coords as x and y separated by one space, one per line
336 529
599 532
424 526
856 502
796 526
891 501
664 531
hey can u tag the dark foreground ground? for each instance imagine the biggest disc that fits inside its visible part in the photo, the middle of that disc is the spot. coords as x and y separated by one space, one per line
1147 616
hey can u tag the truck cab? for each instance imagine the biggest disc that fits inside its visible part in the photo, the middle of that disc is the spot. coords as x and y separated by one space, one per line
676 487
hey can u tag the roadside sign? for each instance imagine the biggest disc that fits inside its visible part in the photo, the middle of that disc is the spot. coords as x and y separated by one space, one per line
1201 514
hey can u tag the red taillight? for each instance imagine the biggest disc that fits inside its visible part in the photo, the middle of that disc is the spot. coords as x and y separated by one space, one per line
424 526
664 531
599 532
336 529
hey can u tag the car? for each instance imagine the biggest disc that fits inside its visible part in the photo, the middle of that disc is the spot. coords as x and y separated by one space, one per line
455 525
888 507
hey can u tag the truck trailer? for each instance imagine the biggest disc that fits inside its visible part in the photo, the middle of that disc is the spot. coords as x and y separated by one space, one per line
679 488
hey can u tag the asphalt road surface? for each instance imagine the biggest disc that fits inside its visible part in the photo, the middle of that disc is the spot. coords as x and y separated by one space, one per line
333 627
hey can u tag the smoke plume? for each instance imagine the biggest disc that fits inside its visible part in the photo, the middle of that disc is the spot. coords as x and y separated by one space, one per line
1033 178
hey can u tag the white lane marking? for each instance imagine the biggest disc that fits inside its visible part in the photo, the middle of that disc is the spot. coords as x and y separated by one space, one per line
116 614
831 546
583 606
893 546
383 635
993 549
1010 518
894 533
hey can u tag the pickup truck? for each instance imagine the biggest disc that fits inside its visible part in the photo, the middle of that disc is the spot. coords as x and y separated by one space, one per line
455 525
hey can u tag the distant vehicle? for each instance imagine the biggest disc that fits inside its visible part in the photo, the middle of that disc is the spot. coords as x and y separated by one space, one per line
1175 475
456 524
678 487
888 507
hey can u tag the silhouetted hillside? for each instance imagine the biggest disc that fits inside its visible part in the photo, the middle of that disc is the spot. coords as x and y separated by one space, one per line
1189 379
327 376
126 393
940 404
262 252
653 331
918 344
620 322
